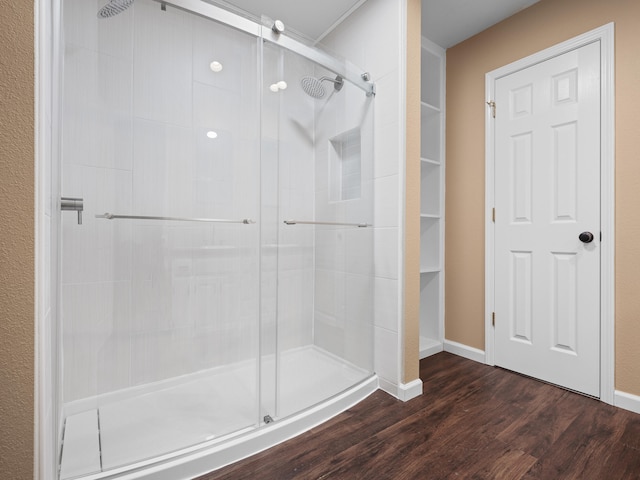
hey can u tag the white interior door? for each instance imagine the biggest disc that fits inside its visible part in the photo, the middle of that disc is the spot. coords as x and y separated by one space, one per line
547 193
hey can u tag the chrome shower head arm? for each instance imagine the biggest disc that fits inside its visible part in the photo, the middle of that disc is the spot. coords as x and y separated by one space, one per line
338 81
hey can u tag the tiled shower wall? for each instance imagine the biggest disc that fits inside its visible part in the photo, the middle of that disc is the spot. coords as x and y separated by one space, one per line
344 256
372 37
144 301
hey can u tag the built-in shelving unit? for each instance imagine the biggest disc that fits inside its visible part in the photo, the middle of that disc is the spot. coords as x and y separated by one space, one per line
432 199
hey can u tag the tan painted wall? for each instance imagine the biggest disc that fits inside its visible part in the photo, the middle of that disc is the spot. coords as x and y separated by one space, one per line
412 202
544 24
16 240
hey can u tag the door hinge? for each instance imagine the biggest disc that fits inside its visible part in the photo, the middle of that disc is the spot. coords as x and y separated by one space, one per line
493 214
492 104
493 318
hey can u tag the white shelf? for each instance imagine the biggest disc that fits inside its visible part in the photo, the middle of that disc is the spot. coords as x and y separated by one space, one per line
432 215
430 270
430 161
428 106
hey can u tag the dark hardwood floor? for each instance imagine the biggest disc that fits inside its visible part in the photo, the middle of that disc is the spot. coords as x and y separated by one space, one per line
473 421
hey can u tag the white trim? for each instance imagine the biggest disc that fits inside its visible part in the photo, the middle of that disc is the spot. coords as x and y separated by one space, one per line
388 387
627 401
46 414
335 25
392 389
407 391
465 351
402 391
604 35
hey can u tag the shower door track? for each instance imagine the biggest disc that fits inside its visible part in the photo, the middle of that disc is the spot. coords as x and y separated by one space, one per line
342 68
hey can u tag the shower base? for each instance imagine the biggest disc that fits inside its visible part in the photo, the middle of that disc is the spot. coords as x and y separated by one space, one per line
143 431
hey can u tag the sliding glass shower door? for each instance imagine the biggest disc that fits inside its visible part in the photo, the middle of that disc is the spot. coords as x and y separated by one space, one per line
317 160
160 280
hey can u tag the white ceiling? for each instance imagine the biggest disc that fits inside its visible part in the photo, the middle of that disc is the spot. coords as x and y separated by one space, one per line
449 22
445 22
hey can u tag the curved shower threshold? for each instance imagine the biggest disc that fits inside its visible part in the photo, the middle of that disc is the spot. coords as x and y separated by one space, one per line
119 414
209 456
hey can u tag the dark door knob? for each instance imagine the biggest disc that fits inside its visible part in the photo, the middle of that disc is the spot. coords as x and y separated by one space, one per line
586 237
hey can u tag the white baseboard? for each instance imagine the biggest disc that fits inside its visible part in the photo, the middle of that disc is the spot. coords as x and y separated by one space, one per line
404 391
464 351
410 390
627 401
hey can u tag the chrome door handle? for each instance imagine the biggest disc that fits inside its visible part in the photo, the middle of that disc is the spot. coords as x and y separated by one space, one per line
73 204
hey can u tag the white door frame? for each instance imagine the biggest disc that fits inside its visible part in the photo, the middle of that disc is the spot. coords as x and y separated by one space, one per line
605 35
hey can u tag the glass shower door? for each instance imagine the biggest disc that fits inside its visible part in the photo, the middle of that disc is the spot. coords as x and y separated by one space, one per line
317 159
160 283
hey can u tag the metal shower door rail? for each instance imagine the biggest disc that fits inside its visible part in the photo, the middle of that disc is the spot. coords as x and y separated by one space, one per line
213 12
113 216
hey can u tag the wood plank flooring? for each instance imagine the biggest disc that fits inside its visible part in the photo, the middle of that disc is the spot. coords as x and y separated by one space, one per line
473 421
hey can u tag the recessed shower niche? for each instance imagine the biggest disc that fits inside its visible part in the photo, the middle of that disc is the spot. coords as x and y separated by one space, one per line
345 160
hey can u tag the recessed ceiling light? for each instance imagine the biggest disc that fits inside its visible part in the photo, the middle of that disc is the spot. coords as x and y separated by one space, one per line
212 134
274 87
282 84
215 66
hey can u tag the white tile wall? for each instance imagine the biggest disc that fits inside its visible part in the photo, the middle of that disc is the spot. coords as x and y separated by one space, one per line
162 84
386 253
387 201
97 92
386 354
164 180
82 28
386 303
139 98
359 38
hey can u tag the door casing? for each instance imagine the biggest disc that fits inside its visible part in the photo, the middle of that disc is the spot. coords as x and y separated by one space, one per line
604 35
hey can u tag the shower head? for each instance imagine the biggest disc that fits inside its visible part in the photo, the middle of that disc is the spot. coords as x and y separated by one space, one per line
312 86
114 7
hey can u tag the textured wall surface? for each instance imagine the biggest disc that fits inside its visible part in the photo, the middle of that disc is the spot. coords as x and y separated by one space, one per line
16 240
412 201
544 24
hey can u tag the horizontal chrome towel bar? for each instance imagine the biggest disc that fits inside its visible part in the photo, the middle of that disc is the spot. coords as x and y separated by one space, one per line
359 225
113 216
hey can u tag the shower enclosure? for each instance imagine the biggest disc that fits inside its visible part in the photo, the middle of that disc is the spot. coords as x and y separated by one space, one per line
216 249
